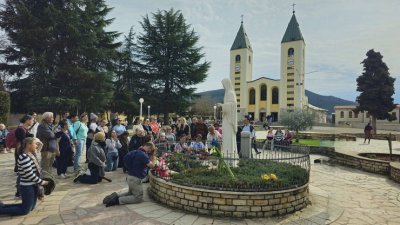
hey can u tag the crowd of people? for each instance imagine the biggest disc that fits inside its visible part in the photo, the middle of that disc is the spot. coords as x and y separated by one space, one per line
108 146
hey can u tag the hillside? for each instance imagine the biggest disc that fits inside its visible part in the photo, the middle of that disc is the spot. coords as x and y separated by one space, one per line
321 101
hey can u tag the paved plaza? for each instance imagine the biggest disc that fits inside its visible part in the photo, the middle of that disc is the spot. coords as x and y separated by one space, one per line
338 195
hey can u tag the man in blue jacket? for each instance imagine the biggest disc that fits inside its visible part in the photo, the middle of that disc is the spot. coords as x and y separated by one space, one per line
137 163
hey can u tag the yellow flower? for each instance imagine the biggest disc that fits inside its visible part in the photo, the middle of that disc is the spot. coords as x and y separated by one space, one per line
273 177
265 177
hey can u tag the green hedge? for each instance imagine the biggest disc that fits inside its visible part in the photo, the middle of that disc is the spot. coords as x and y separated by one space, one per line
4 106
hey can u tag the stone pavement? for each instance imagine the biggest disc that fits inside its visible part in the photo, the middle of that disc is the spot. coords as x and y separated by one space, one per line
338 195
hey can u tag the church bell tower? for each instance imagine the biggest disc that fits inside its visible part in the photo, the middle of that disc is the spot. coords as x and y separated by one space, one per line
292 92
241 68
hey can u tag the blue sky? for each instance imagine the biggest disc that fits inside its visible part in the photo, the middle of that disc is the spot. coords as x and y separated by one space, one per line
337 35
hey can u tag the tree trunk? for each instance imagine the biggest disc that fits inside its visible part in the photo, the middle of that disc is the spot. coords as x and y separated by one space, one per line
166 119
373 124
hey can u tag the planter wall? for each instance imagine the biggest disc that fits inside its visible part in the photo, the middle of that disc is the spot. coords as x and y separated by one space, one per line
362 163
230 204
395 172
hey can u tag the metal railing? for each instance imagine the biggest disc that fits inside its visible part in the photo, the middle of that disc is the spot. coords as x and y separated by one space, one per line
289 163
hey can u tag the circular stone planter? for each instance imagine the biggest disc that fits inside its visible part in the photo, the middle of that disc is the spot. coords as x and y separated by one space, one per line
225 203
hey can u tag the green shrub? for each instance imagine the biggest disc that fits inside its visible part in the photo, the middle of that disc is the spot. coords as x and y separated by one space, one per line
4 106
247 176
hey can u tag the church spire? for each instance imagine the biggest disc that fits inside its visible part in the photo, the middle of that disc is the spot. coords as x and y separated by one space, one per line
292 32
241 40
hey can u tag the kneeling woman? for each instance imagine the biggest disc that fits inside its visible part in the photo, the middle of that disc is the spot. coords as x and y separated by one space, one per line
29 171
96 161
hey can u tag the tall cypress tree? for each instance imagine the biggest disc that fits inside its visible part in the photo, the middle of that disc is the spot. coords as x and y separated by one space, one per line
376 87
171 59
60 55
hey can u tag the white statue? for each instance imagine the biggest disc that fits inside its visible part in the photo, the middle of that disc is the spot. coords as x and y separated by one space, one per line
229 120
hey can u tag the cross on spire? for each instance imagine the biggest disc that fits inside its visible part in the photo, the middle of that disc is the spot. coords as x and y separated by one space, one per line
293 7
242 18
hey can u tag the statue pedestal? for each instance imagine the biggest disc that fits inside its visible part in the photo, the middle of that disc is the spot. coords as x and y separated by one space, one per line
245 145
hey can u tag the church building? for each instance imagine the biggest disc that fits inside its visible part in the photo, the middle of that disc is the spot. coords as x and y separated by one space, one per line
265 96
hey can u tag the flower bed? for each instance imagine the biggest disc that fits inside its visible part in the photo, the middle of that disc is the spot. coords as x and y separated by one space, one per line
249 176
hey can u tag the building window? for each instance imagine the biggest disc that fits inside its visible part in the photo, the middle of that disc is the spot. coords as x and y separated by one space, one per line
263 94
237 89
275 95
237 83
249 59
355 115
237 59
237 78
290 99
237 72
237 95
289 105
290 67
290 80
290 52
290 86
341 114
290 74
350 114
368 115
252 97
290 92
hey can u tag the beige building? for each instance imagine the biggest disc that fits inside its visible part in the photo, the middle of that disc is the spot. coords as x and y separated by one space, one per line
346 116
264 96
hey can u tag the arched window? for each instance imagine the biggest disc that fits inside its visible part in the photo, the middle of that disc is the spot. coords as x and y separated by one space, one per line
263 92
341 114
290 52
237 59
252 97
350 114
275 95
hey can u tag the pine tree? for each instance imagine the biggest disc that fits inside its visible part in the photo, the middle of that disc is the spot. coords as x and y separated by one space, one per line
171 60
376 87
128 84
60 57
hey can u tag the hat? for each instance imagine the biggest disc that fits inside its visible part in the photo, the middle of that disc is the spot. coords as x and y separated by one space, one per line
93 116
49 188
100 136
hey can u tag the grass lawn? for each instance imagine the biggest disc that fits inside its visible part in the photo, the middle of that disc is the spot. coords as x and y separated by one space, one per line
308 142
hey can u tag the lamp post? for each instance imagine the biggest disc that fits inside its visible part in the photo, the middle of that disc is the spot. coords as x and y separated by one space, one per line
215 112
141 100
299 84
148 111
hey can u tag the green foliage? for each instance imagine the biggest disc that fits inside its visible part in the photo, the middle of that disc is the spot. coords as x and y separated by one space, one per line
297 120
376 87
60 56
4 106
171 60
247 176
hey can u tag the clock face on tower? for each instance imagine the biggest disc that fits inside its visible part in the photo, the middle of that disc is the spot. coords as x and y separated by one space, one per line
290 61
237 68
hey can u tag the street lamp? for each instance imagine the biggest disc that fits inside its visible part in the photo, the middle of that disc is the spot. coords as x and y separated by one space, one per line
141 100
148 111
215 112
299 84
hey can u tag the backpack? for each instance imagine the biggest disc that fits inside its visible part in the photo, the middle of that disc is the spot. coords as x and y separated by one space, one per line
11 139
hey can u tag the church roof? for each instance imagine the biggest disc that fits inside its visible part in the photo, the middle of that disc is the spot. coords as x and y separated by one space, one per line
241 40
292 32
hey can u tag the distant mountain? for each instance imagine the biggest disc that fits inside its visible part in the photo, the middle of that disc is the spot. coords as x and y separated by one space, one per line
326 102
321 101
